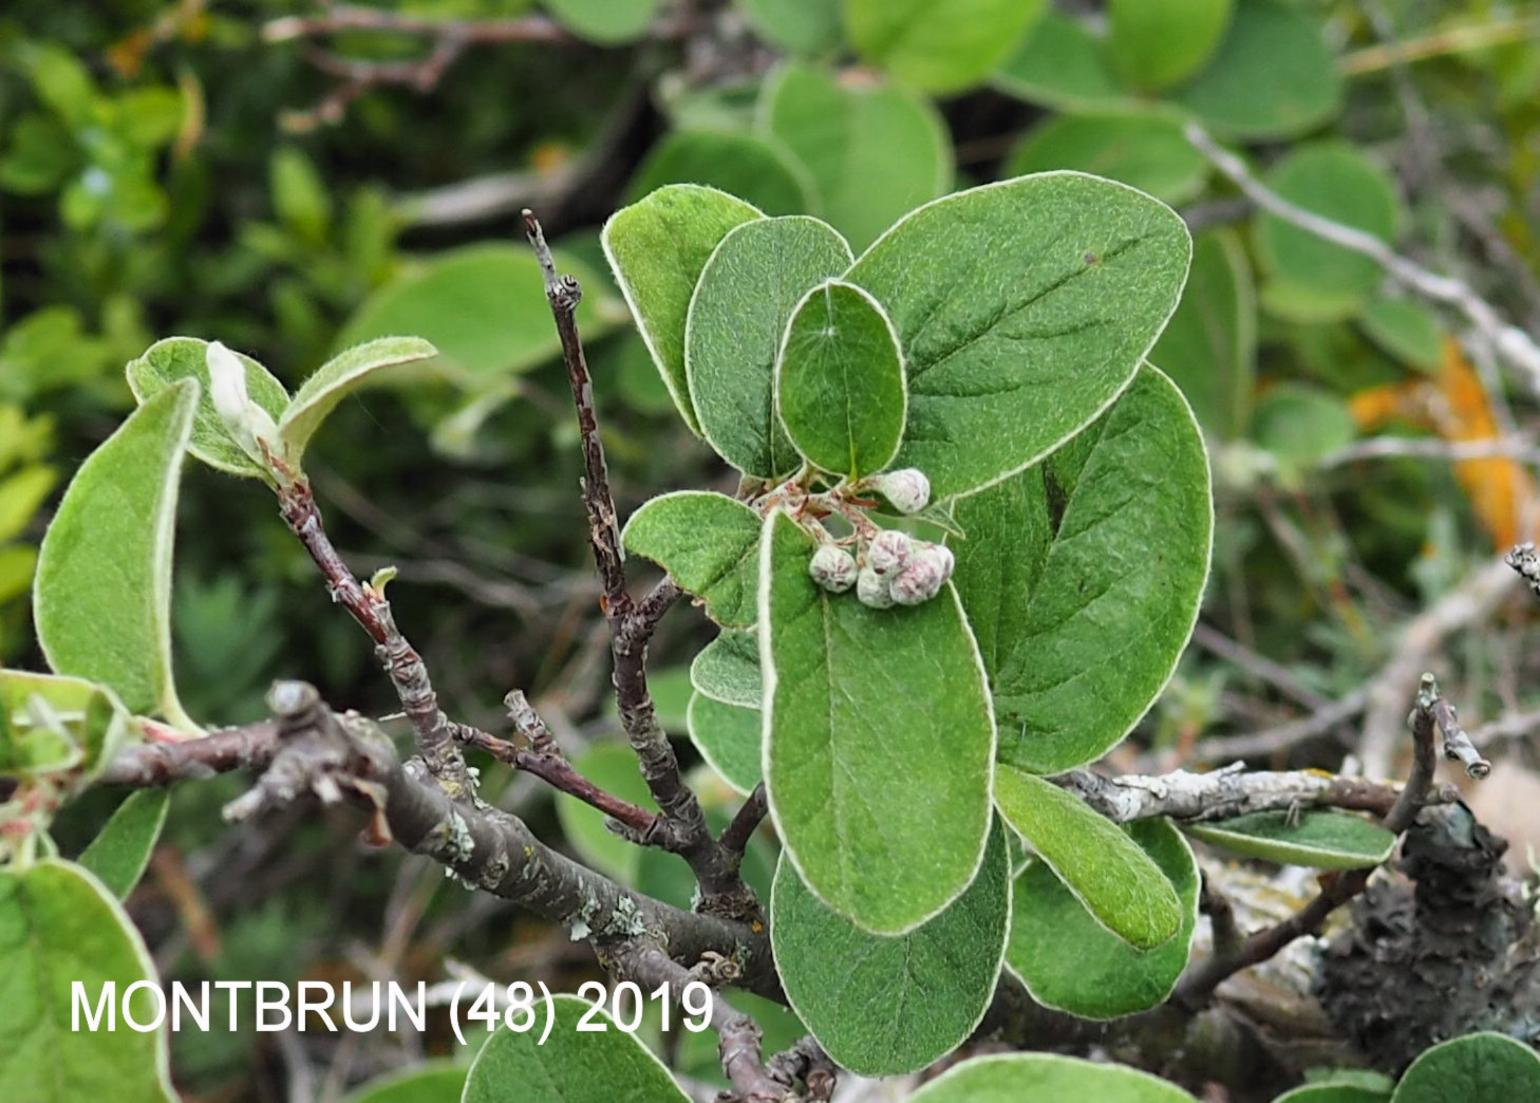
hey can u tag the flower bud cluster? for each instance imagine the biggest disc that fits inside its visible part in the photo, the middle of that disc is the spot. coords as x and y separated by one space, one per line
900 570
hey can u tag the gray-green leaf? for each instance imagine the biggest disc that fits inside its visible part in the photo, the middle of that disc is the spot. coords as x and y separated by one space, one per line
708 543
177 358
744 299
60 926
900 1003
839 381
657 248
727 670
1046 1078
879 742
122 848
1481 1066
102 597
1108 613
729 738
1070 962
1109 874
1318 838
336 379
600 1065
1022 308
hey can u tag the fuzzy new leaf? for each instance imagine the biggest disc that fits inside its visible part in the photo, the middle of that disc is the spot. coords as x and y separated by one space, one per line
336 379
1045 1078
121 850
708 543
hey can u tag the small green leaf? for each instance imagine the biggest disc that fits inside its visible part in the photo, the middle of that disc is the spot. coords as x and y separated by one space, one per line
708 543
1480 1066
59 926
336 379
1301 425
799 26
1129 516
754 168
745 297
1157 45
729 739
176 358
439 1081
1406 330
606 22
879 741
1082 275
1334 180
1109 874
1138 148
1337 1093
122 848
900 1003
1209 348
1273 75
657 249
22 495
727 670
1320 839
1061 64
602 1064
939 45
839 381
102 597
1070 962
50 724
875 151
1045 1078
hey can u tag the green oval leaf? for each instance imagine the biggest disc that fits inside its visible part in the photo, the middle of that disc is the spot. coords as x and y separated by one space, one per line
744 299
121 850
727 670
1138 148
50 724
60 926
430 1082
1045 1078
176 358
879 742
1273 75
1209 348
1116 881
1157 45
1301 425
729 739
939 45
1061 64
1070 962
1483 1066
1320 839
1083 273
599 1065
336 379
1319 281
875 151
657 248
900 1003
102 596
757 169
800 26
606 22
1085 642
839 381
1407 330
1334 1093
708 543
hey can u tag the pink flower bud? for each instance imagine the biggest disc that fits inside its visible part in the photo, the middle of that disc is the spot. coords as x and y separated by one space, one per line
907 489
889 551
833 568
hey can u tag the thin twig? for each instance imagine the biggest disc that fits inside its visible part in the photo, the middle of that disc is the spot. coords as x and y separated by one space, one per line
736 835
1453 451
1284 737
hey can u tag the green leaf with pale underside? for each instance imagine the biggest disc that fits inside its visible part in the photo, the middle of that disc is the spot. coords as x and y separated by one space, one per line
1070 962
1480 1066
745 297
176 358
1318 838
1046 1078
708 543
727 670
657 248
122 848
336 379
839 381
102 596
1108 873
879 741
1101 580
600 1065
728 738
58 926
903 1002
1023 308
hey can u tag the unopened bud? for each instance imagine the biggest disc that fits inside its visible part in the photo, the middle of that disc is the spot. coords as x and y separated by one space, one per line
247 422
907 489
833 568
872 589
889 551
928 569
